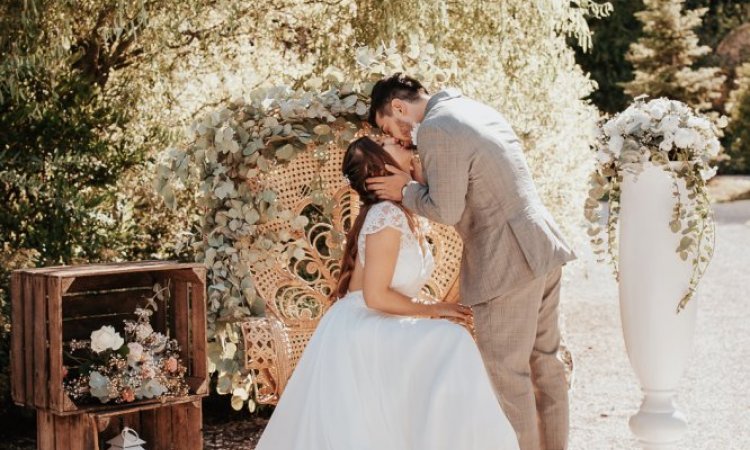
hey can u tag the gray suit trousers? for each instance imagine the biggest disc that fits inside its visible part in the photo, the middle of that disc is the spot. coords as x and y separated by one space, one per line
519 337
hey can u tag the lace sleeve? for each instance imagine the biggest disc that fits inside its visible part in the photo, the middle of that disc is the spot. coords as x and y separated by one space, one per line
385 214
382 215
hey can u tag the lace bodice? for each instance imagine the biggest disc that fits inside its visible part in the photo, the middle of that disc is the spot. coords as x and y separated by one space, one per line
415 263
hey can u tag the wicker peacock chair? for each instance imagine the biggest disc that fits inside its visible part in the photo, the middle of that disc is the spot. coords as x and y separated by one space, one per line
296 292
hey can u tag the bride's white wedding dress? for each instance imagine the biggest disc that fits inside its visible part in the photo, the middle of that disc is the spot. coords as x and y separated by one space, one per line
374 381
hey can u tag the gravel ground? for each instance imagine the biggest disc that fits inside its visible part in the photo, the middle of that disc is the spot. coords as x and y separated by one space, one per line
715 392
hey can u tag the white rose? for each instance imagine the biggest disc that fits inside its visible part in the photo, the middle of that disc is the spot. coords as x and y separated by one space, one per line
135 353
681 108
699 122
143 331
707 174
639 121
669 124
610 128
158 343
666 143
661 102
150 389
685 137
604 157
104 338
615 144
713 148
657 110
99 385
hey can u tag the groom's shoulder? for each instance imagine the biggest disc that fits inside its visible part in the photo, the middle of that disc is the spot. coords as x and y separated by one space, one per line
459 112
452 103
447 112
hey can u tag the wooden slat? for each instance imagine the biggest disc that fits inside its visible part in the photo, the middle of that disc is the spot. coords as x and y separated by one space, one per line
198 385
54 330
112 268
41 361
45 431
63 431
132 420
18 382
198 318
91 433
180 436
77 438
111 410
163 435
181 309
28 336
106 429
105 282
185 274
120 301
149 430
195 425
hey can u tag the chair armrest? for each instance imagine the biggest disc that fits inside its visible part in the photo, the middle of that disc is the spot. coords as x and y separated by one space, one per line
267 354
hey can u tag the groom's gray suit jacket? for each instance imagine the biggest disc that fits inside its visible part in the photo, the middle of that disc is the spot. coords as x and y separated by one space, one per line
478 180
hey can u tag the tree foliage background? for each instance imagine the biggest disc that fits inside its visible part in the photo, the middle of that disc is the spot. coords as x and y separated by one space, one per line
664 55
613 34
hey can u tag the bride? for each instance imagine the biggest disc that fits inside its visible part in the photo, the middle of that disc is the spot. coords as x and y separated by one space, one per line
383 371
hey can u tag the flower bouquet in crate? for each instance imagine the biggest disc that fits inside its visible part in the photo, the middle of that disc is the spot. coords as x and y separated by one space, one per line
144 364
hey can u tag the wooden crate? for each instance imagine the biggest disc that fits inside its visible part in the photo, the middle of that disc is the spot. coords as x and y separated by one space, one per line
173 426
51 306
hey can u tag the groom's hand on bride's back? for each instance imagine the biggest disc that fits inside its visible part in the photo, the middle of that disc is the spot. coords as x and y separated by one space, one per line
389 187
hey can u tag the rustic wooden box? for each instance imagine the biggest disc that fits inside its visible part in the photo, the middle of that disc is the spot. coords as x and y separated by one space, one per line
51 306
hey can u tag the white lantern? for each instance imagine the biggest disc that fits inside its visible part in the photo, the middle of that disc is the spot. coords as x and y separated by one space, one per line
128 439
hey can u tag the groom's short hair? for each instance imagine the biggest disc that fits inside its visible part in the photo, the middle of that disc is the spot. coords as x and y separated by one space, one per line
395 86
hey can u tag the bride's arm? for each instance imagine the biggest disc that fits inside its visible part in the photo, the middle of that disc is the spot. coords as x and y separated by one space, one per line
381 254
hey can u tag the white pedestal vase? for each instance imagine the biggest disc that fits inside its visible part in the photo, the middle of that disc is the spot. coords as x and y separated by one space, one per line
653 279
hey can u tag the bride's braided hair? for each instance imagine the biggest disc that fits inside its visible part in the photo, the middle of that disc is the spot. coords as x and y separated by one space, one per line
364 158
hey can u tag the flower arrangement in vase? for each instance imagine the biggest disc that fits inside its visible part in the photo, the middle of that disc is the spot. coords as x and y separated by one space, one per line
670 135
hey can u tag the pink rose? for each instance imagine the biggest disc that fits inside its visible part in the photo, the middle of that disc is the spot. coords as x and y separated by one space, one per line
128 395
171 364
147 372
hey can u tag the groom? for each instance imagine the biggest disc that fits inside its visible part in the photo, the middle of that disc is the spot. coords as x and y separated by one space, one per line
478 180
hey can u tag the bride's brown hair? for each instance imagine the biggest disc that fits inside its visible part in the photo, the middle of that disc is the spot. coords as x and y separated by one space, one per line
364 158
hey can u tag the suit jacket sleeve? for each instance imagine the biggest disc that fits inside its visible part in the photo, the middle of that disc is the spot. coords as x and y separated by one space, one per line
446 169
